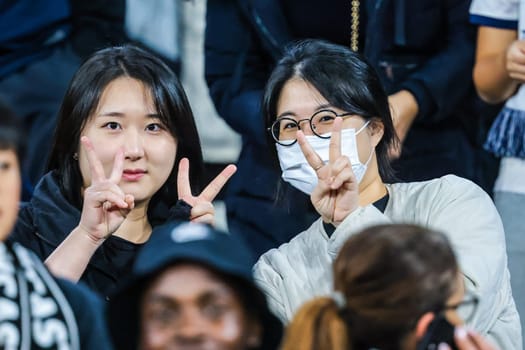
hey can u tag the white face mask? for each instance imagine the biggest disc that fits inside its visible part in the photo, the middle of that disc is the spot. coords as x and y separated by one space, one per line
297 171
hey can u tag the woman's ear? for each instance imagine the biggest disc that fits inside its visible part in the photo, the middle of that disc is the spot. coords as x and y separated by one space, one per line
422 324
376 129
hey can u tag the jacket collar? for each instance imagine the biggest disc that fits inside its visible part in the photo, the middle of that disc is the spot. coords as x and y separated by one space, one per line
54 217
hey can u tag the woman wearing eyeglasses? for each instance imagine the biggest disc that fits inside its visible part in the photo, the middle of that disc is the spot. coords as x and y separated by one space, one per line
398 287
329 118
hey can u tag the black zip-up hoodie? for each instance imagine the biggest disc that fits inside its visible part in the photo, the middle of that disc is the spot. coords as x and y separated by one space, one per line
45 221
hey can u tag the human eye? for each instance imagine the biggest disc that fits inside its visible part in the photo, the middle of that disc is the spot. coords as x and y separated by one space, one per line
162 315
5 165
325 117
214 310
112 126
155 127
288 125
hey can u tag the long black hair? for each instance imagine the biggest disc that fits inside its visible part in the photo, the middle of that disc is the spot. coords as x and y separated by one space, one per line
82 98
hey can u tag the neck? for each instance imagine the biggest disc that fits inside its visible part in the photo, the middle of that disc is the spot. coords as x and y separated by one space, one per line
136 227
372 187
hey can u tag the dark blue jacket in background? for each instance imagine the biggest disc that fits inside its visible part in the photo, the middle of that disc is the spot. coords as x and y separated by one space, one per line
426 47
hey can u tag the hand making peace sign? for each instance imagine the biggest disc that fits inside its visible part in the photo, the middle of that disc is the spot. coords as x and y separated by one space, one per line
105 204
337 192
202 208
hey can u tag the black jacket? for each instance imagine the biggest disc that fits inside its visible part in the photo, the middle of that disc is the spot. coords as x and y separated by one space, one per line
45 221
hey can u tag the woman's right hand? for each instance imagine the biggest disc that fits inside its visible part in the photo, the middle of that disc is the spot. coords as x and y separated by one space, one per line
468 340
105 204
337 192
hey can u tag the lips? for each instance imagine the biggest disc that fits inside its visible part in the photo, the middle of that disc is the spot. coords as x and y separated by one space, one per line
133 174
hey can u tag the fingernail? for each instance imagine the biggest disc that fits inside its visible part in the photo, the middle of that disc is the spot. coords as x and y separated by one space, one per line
460 332
443 346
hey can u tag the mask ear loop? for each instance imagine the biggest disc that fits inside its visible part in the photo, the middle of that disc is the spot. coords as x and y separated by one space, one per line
363 127
372 151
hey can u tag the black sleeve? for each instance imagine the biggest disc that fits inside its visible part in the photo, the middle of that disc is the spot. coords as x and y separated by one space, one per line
445 80
25 233
181 211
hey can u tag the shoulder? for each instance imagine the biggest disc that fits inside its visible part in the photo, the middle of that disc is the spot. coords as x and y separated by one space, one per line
45 221
89 311
290 255
24 222
444 187
79 295
444 203
25 233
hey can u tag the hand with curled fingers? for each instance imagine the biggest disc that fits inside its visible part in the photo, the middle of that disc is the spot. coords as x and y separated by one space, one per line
105 204
202 208
337 192
515 63
468 340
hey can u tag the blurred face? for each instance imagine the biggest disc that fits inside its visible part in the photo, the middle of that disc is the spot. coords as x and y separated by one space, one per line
456 307
452 314
126 119
299 100
10 187
189 307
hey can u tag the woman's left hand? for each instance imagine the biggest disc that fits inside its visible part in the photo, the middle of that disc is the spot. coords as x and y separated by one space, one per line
337 192
202 208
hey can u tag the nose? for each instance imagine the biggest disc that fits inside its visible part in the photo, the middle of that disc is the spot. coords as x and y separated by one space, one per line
134 145
190 328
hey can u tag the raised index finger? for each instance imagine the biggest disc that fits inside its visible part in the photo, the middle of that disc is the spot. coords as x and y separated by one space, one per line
215 186
335 141
183 179
95 166
311 157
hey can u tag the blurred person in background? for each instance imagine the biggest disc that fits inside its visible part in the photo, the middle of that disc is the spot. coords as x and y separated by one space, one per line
37 311
498 74
192 287
397 287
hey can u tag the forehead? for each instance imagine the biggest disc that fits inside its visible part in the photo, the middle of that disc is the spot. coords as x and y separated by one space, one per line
8 154
298 97
189 281
126 93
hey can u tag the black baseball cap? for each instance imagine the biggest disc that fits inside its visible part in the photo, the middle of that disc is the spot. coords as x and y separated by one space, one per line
176 242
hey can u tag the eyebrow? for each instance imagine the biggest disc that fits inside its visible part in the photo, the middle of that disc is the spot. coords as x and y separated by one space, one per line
203 298
317 109
120 115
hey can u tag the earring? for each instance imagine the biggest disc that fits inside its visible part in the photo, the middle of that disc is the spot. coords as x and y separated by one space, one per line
75 156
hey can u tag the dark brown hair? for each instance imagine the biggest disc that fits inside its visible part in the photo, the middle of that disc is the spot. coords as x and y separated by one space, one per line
388 276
